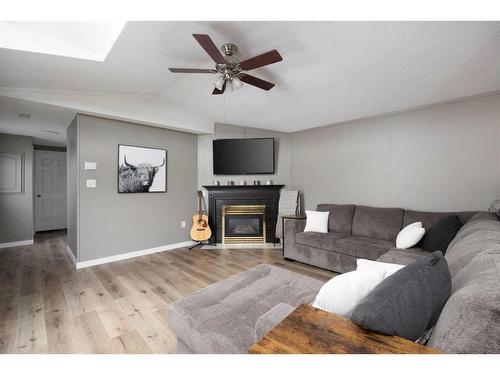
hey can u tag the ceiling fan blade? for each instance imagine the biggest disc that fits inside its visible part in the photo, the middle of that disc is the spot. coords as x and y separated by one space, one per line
217 91
209 46
257 82
187 70
267 58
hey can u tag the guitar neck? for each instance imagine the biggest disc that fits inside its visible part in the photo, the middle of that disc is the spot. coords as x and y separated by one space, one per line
200 210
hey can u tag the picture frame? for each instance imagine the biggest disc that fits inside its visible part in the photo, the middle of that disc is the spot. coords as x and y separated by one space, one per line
141 169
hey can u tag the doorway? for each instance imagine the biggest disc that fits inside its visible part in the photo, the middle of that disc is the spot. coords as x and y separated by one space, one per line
50 196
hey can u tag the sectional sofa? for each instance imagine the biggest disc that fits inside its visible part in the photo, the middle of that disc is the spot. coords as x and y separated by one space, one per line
355 232
229 316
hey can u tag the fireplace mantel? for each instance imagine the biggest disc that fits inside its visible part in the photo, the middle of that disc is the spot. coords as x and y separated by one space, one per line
222 195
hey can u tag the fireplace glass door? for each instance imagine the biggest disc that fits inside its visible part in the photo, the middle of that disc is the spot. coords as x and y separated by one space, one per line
243 224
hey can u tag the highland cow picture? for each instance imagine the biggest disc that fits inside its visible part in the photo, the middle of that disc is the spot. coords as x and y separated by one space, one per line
142 169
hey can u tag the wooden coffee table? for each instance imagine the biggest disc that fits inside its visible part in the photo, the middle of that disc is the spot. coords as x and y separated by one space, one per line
308 330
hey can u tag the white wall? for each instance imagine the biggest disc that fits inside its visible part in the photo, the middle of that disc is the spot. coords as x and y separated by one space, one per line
205 155
445 157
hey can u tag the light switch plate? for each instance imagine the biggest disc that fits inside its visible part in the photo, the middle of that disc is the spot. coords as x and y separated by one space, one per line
90 165
91 183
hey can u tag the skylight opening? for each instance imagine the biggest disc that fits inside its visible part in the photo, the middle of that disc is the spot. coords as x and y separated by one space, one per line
82 40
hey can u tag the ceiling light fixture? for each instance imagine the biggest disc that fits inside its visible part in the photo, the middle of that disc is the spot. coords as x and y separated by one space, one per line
236 83
219 83
51 132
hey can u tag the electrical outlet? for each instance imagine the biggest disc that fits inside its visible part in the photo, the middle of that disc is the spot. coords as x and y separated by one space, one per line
183 224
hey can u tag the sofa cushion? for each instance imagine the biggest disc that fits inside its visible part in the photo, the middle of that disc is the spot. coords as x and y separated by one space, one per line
362 247
470 320
380 223
440 235
478 236
318 240
428 219
483 216
221 317
408 302
471 227
340 219
270 319
402 256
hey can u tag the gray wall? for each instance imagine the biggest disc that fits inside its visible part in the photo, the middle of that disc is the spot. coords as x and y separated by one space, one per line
205 155
16 210
111 223
445 157
73 183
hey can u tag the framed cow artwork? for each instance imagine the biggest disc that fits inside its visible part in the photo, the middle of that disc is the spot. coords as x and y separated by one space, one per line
142 169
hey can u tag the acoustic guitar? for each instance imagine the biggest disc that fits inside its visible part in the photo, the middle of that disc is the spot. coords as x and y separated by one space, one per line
200 231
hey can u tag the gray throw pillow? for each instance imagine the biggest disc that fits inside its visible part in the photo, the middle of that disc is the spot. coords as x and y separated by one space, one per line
408 302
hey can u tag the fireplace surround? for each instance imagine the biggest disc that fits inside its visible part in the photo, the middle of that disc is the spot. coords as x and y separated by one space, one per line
238 195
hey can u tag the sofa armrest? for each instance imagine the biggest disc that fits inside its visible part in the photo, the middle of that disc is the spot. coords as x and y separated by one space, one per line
292 227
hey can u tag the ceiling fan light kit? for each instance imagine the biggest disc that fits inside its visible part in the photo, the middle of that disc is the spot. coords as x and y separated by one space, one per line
232 73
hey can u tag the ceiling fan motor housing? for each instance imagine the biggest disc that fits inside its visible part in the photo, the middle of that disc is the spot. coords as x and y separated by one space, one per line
229 71
229 49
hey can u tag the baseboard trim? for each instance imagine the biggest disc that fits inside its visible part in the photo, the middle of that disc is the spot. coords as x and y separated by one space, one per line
71 256
133 254
16 243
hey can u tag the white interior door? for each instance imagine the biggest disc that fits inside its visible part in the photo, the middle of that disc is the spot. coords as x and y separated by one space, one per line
50 190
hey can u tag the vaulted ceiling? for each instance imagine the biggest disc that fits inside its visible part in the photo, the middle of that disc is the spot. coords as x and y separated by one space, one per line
331 72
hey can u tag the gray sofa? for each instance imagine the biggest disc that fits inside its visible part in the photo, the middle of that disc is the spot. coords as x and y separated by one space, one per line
354 232
229 316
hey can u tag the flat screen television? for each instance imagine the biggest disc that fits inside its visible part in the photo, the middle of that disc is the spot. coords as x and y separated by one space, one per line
243 156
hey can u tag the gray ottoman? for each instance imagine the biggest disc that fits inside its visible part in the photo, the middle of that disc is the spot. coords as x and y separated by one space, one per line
222 317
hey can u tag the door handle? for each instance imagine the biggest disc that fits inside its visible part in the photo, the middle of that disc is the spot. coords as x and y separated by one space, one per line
38 195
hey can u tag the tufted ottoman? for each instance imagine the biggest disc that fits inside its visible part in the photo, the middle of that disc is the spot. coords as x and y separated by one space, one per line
229 316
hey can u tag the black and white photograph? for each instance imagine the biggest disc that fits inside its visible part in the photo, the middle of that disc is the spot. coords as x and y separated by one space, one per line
142 169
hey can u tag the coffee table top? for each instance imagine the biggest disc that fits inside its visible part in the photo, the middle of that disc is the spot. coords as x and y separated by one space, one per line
308 330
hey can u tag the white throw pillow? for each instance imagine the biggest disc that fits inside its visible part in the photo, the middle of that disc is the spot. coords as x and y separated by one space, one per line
317 221
410 235
388 268
341 294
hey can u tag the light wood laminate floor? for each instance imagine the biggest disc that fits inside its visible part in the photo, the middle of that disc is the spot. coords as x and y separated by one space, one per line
47 306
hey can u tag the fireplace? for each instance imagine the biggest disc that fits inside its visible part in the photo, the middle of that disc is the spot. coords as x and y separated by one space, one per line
243 224
243 195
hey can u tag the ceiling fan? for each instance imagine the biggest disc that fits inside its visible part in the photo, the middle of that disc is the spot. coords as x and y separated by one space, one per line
231 71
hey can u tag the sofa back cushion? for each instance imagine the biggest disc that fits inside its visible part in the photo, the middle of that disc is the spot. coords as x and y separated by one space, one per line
475 237
470 320
479 221
340 219
380 223
428 219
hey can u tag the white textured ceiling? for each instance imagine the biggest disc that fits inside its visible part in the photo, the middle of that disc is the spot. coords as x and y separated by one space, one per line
45 121
332 71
